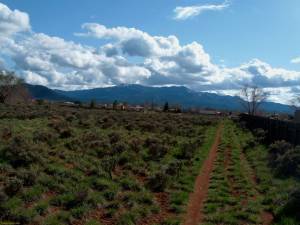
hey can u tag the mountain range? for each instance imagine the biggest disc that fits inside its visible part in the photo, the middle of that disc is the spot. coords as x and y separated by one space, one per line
138 94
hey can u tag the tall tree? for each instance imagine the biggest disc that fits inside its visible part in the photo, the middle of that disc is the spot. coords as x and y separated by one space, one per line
11 85
252 97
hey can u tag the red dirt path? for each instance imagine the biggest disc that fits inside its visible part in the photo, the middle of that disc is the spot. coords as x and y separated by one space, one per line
194 213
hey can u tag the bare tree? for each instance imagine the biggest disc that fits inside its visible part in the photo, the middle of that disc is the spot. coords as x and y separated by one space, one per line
11 87
252 97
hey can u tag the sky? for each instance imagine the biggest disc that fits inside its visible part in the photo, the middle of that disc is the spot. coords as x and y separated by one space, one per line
206 45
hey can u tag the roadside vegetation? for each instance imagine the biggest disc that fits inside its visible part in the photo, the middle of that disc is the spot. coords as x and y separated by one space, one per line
277 173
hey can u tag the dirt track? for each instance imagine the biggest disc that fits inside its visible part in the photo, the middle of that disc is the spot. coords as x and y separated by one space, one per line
194 214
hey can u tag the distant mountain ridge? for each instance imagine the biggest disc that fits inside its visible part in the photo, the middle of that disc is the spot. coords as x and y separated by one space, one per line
138 94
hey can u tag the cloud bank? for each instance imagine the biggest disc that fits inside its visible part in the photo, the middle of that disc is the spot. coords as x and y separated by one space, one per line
183 13
162 60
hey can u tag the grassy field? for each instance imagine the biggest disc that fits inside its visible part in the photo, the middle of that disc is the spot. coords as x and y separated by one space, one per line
67 165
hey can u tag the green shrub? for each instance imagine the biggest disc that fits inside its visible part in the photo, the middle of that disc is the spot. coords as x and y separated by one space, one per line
93 222
108 164
129 184
41 208
33 193
126 219
170 222
79 211
70 200
102 184
110 194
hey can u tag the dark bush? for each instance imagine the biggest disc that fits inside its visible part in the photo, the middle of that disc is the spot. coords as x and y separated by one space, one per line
136 144
157 151
148 126
260 134
20 153
292 206
65 132
74 144
28 177
249 144
276 150
13 186
174 168
186 151
61 126
119 147
158 182
151 141
108 164
44 136
114 137
71 200
289 163
3 198
6 133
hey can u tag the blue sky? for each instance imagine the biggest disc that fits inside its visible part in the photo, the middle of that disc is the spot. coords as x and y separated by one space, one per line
246 41
268 29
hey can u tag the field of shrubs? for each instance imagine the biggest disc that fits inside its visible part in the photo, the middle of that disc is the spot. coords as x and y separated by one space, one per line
76 165
68 165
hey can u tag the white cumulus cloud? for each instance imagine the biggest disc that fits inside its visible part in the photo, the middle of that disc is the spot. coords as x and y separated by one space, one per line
186 12
12 21
296 60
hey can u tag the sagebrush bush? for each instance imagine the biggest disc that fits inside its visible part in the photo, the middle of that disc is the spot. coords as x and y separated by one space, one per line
186 151
157 182
114 137
44 136
284 159
157 151
6 133
277 149
136 144
288 164
21 153
174 167
70 200
28 176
